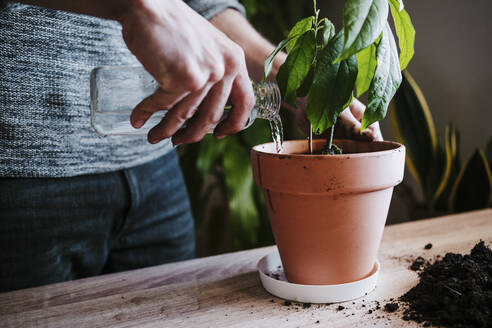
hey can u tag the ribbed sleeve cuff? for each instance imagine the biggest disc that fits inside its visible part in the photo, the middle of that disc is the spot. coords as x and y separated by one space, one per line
210 8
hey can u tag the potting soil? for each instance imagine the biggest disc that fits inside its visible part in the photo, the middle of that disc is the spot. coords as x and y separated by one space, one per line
455 291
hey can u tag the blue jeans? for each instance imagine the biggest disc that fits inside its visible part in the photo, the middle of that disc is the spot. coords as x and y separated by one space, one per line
58 229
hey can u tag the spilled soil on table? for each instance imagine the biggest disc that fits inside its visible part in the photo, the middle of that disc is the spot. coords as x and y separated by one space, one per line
455 291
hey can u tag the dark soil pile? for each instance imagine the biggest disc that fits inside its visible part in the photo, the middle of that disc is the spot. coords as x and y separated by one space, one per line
454 292
391 307
418 264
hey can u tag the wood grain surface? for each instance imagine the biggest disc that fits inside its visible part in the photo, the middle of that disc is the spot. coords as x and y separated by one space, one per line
225 291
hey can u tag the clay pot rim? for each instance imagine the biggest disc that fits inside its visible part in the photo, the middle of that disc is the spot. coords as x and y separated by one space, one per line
397 148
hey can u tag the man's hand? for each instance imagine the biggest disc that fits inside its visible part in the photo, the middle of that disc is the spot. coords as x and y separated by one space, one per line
197 67
348 124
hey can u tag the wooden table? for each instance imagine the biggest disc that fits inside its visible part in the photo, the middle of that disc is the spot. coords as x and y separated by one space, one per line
225 291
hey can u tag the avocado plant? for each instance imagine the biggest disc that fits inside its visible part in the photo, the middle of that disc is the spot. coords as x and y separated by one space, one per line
326 66
328 213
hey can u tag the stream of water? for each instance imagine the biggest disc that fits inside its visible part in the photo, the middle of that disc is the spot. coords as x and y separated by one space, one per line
277 132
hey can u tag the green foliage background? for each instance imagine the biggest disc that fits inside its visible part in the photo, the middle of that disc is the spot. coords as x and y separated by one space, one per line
446 184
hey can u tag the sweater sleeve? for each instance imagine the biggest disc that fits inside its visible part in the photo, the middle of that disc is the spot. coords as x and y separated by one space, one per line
210 8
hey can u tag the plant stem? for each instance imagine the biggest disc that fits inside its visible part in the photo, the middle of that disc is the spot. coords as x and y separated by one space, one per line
310 142
315 36
316 12
330 137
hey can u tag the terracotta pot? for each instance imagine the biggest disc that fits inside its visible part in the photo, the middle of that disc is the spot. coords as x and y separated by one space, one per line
328 212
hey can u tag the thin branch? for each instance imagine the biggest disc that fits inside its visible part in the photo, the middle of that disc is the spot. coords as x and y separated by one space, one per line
330 137
454 291
310 139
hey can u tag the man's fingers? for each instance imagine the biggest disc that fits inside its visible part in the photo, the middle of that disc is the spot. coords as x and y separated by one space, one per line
208 115
357 109
374 132
243 100
178 115
351 126
159 100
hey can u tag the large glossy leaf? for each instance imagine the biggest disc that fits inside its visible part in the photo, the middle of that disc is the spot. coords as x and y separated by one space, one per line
239 184
332 86
301 26
306 84
404 31
473 187
363 22
387 79
452 167
366 61
413 126
327 33
269 61
296 67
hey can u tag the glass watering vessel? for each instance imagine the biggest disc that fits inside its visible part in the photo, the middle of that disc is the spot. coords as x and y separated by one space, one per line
116 90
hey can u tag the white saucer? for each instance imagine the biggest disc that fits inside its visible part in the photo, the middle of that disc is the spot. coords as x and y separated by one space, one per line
273 279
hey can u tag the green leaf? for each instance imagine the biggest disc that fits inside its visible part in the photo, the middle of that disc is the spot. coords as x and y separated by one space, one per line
306 84
210 152
405 32
363 22
269 60
400 4
332 87
451 169
414 127
387 79
301 26
239 184
251 8
473 187
366 61
296 66
434 174
488 151
328 31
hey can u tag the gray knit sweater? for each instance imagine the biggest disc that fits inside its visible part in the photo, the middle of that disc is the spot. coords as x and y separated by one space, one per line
45 60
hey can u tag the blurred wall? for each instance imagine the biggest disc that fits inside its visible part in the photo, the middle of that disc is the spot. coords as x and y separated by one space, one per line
452 64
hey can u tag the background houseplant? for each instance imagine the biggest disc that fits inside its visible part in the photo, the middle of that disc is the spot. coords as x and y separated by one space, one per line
447 184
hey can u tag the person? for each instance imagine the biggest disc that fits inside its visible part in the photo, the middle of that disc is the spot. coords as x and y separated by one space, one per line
73 204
